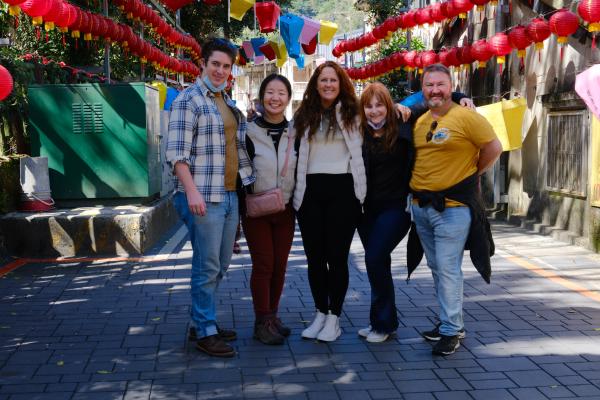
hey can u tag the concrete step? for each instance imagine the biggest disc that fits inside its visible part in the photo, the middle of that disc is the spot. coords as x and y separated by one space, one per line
127 230
534 226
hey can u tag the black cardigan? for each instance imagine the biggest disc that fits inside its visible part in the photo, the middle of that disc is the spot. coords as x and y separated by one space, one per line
479 239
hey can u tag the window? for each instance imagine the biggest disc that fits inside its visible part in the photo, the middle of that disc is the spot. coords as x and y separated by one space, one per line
566 164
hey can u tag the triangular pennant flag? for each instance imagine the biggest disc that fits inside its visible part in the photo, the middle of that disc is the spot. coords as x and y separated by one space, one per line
278 46
268 51
239 7
248 49
310 29
256 43
328 29
258 59
311 47
290 28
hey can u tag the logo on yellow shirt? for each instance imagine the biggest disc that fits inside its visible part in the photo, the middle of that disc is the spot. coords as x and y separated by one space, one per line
440 136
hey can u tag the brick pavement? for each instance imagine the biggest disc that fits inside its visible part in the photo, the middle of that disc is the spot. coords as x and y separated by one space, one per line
116 330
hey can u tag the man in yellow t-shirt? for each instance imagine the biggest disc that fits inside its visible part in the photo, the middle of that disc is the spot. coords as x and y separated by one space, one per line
452 145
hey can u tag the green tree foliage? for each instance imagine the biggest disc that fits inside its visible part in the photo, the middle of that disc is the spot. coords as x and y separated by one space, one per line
202 20
398 82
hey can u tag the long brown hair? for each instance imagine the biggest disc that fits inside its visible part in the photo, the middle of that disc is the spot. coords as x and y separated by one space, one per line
308 116
390 130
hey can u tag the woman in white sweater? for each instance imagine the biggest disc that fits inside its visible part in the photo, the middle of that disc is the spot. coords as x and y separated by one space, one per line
330 188
270 236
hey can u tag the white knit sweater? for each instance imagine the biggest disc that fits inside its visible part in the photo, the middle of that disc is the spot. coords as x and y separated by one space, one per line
353 139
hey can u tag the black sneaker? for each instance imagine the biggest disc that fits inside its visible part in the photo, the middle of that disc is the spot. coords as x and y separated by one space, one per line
446 345
225 334
434 335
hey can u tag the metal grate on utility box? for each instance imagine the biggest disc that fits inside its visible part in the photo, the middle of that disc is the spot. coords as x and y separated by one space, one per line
566 164
87 118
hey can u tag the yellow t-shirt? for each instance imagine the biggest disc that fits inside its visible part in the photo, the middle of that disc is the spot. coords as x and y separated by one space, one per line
231 152
453 151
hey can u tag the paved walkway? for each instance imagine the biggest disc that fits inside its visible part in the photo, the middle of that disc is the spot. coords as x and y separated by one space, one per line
115 329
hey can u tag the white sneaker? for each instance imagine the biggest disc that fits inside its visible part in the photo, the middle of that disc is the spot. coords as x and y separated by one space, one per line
377 337
331 331
315 327
364 332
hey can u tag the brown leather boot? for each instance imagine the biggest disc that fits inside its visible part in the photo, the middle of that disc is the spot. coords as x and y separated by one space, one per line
281 328
215 346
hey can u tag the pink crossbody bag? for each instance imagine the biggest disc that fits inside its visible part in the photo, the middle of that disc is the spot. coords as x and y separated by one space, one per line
270 201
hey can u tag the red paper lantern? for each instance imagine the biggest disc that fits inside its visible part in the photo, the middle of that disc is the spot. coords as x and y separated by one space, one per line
14 7
443 57
453 57
439 12
267 13
429 57
563 23
398 59
419 62
518 38
78 24
465 57
500 47
36 9
6 83
389 26
538 30
66 17
589 11
459 8
408 19
53 14
423 16
409 60
481 52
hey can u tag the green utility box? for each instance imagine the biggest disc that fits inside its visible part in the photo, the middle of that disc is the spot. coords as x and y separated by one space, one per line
102 141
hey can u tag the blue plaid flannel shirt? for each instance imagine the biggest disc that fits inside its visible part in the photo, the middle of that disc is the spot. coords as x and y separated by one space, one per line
196 136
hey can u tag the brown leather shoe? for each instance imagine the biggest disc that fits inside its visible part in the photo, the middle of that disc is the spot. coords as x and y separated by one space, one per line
215 346
226 334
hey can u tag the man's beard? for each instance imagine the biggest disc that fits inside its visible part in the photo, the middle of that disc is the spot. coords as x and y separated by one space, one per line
437 101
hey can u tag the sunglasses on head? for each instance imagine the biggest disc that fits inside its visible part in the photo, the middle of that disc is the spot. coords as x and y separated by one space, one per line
431 129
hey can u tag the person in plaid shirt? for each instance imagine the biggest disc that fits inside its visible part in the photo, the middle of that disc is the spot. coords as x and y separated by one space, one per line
206 149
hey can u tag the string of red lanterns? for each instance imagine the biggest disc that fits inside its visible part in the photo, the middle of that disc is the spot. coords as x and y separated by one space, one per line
66 16
562 23
588 10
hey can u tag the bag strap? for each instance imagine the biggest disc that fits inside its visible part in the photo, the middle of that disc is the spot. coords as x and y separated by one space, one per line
288 150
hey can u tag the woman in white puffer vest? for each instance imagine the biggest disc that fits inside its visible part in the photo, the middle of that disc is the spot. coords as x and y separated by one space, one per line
331 186
270 236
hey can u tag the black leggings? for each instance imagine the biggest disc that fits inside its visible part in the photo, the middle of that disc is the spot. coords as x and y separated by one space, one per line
328 218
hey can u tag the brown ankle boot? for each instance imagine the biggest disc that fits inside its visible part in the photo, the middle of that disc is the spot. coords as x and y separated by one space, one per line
281 328
215 346
266 332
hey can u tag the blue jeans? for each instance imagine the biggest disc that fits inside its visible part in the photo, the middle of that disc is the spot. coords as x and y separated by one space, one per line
212 237
443 236
380 231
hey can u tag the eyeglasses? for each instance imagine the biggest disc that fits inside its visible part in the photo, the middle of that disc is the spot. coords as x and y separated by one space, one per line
431 129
